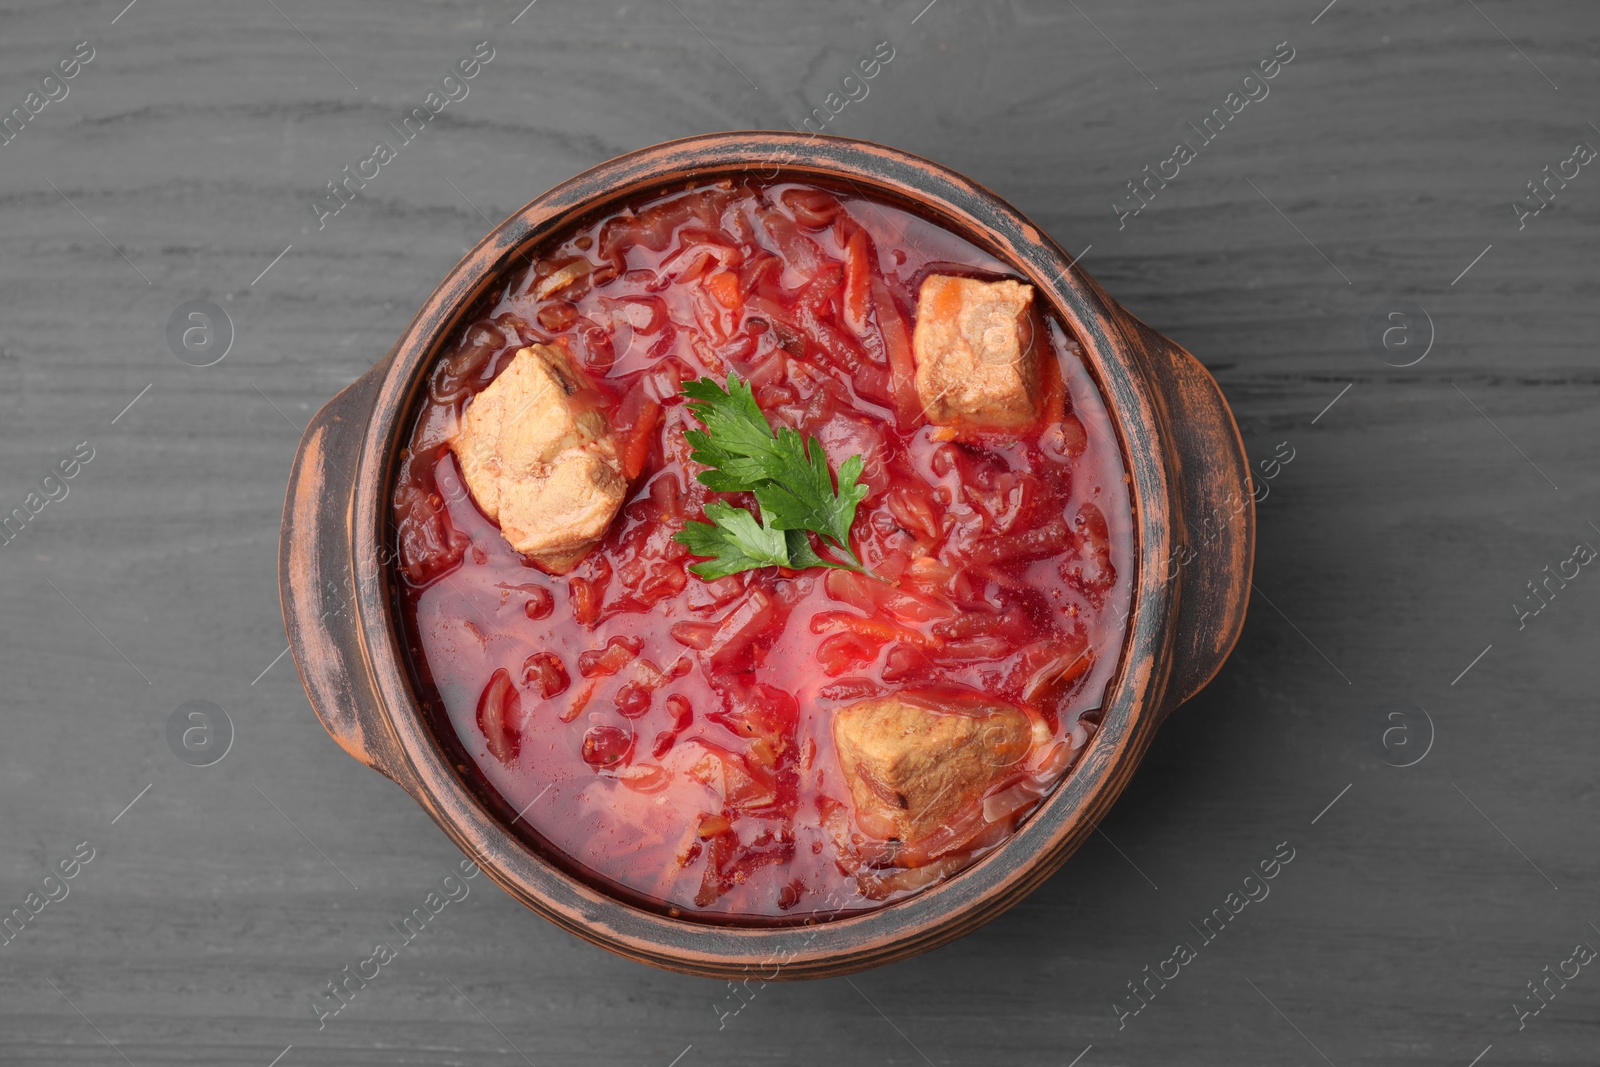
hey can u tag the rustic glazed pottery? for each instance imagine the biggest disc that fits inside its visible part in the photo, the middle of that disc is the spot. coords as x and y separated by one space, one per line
1194 524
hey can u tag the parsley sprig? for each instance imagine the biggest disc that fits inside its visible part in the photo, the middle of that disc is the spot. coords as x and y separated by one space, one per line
791 480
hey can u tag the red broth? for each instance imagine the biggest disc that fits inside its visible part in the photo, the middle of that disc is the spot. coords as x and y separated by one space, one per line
671 737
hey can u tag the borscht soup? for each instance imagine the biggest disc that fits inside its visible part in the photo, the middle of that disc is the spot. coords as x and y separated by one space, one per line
768 549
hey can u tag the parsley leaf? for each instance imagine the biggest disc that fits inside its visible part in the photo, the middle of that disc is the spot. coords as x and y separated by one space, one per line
806 500
734 541
789 476
737 443
802 555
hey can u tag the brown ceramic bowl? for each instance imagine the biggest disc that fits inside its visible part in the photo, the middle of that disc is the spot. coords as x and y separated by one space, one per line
1194 523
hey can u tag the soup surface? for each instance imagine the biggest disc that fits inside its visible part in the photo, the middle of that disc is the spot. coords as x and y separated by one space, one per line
779 743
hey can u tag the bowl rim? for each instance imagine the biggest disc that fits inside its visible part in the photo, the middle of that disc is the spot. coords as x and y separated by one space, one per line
1134 693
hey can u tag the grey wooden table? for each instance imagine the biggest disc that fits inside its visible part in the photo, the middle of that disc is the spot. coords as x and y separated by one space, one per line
1425 749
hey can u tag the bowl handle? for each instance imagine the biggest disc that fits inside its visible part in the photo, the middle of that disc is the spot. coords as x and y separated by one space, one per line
316 578
1215 518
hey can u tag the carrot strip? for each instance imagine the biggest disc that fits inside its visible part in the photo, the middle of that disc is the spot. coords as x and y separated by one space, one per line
725 287
857 282
637 449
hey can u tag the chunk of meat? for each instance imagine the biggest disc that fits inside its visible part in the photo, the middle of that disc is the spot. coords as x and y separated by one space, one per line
912 762
540 459
976 361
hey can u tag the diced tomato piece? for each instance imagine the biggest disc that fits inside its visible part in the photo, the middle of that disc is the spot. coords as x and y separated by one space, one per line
709 595
586 598
545 672
606 746
633 700
588 594
617 654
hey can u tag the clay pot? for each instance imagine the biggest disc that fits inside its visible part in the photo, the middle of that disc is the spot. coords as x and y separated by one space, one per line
1194 524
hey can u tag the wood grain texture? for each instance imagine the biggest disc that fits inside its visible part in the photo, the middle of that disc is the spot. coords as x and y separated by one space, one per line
1389 552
